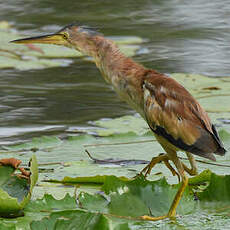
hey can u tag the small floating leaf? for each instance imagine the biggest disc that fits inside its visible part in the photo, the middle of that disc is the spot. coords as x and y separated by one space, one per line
15 192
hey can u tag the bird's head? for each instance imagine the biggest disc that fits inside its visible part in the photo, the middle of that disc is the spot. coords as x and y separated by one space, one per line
81 38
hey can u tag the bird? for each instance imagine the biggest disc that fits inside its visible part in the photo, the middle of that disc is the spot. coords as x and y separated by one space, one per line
175 117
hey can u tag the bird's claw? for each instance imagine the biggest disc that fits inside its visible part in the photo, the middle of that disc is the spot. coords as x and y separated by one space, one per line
155 160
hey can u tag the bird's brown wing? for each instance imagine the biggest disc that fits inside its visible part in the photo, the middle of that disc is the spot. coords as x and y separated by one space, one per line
175 115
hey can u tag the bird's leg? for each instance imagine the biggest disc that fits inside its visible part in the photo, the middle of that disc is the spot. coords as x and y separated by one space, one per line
184 183
155 160
173 171
177 198
193 171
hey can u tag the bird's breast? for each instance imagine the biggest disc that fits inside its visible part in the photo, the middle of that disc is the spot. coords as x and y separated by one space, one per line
129 92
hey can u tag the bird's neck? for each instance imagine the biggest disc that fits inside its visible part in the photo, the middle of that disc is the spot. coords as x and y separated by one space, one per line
122 72
112 62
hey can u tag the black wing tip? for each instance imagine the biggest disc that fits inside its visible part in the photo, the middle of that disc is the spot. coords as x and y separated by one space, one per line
180 143
220 151
197 148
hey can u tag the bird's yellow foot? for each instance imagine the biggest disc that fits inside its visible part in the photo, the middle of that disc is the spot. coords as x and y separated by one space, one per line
191 172
176 200
155 160
152 218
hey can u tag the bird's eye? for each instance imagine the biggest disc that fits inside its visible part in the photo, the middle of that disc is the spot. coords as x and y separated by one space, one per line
65 36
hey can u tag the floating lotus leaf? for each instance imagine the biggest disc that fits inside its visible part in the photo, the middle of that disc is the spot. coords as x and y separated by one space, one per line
15 192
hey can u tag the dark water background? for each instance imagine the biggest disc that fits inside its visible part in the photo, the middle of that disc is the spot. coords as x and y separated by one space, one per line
182 36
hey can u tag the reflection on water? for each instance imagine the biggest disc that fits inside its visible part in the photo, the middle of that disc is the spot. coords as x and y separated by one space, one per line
183 36
53 99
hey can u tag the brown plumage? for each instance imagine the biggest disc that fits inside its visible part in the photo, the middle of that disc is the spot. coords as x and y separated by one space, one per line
174 114
175 117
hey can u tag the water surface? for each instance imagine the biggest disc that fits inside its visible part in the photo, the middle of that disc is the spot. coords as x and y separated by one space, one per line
182 36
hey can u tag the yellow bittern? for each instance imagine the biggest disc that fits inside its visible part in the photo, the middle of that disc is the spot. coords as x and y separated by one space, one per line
177 120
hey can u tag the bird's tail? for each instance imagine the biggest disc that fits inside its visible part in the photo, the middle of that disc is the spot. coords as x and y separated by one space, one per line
220 147
220 151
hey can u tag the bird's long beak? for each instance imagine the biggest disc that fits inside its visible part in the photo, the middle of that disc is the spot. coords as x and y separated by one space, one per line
56 39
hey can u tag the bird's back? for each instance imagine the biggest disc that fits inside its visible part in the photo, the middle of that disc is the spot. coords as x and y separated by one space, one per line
175 115
167 106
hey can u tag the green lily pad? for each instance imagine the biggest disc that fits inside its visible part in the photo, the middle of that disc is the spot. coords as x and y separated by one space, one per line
138 197
94 180
120 125
124 40
37 209
218 189
8 62
124 197
36 143
120 204
141 197
132 197
225 135
76 219
15 192
49 203
67 158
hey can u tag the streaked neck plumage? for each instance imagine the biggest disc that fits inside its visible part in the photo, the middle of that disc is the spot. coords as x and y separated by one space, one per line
122 72
110 60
